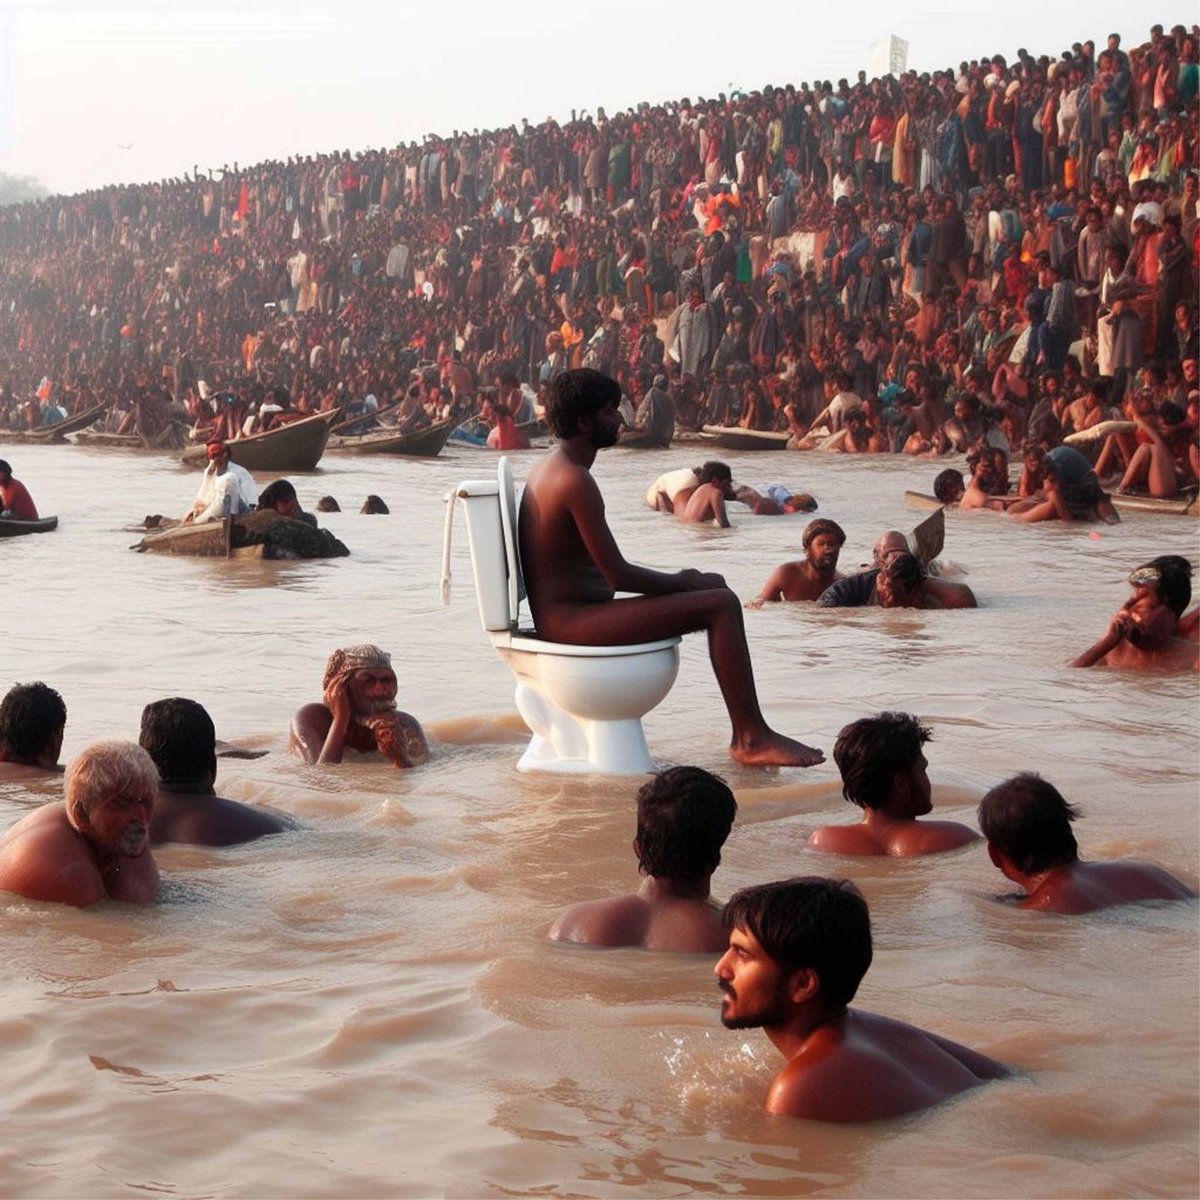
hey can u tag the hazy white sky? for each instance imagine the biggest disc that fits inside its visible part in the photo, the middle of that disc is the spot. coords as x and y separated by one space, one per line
103 91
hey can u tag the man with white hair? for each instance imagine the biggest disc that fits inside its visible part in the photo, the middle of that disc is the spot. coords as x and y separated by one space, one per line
96 844
359 712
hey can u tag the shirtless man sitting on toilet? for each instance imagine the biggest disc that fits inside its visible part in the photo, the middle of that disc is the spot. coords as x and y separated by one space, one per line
573 569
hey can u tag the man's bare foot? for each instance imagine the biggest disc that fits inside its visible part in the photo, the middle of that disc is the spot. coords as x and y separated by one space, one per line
771 749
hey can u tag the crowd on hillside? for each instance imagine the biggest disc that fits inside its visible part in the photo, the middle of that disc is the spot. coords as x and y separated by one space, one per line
994 236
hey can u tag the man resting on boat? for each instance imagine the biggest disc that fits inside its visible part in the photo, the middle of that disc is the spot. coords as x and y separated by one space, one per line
16 504
226 490
359 712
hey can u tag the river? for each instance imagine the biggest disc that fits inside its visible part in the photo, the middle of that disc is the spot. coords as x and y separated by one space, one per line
368 1006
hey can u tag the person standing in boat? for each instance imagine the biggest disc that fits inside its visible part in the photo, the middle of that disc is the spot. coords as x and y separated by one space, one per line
226 490
16 504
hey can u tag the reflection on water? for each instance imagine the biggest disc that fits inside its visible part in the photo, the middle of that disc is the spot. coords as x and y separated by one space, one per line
367 1006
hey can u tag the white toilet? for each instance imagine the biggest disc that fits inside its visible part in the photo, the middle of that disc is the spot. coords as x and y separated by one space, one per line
584 703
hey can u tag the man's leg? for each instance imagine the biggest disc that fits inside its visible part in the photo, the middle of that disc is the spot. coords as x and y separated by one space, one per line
715 610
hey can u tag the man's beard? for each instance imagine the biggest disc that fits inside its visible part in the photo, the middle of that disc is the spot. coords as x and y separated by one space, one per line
773 1013
371 710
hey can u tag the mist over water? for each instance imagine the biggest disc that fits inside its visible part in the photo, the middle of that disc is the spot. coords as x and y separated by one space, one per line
367 1006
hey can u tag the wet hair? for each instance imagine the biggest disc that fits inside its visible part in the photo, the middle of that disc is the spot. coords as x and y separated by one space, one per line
328 504
1029 822
945 482
1174 585
872 751
684 816
104 771
179 736
30 715
814 529
712 470
576 395
906 570
809 922
275 493
374 505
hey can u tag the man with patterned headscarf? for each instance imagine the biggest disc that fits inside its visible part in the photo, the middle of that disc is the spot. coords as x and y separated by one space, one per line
359 711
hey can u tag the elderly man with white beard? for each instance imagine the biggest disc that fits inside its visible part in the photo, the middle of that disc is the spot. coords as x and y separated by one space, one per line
359 712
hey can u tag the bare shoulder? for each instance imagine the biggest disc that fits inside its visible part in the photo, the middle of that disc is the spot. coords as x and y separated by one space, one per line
844 839
310 726
43 858
614 921
211 821
931 837
686 927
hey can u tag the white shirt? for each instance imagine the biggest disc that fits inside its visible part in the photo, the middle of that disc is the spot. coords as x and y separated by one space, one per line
236 483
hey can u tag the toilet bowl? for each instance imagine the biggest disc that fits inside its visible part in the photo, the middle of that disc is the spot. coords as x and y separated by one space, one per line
584 704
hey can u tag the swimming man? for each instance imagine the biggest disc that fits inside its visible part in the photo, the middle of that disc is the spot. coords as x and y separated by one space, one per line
684 816
797 953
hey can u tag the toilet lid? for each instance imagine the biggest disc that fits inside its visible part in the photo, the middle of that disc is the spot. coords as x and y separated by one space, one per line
508 523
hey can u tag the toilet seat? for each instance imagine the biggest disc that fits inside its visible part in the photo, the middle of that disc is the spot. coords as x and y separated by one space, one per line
526 641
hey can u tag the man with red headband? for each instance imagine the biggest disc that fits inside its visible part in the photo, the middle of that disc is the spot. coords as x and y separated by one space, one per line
226 490
359 712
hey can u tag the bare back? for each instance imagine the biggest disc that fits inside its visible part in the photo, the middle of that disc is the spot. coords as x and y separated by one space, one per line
897 839
1085 887
864 1067
672 924
558 565
42 857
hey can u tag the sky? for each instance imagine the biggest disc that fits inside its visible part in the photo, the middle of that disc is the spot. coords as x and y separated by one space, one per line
94 92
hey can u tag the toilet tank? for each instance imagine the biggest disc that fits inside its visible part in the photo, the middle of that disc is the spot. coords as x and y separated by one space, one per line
485 532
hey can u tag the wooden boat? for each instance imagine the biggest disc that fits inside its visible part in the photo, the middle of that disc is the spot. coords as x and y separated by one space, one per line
922 502
421 443
173 437
111 441
57 433
731 438
10 527
1187 505
637 440
297 446
212 539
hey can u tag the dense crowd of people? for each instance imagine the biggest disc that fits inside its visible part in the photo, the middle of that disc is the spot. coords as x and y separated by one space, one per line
894 262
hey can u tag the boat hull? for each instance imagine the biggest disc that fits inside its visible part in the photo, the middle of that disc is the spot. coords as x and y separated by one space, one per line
12 528
294 447
730 438
423 443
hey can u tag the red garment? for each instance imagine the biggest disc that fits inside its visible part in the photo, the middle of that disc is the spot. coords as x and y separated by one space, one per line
15 497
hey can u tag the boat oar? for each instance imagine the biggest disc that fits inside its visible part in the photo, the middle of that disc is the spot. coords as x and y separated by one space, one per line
929 537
